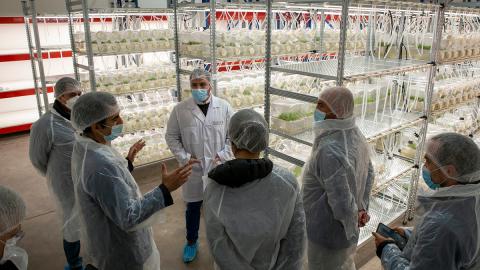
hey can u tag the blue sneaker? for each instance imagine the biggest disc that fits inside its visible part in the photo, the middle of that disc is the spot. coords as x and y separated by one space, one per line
190 252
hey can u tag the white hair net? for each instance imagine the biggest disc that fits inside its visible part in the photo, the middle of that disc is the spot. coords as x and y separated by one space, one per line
12 209
66 85
457 150
93 107
199 73
248 130
340 100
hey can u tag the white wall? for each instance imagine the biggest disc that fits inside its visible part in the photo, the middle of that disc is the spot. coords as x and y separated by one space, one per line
14 8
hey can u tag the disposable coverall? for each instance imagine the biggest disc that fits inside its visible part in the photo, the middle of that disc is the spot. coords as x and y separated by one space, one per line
259 224
116 217
51 145
447 234
337 181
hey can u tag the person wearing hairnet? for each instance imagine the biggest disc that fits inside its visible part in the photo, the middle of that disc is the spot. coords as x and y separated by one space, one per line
12 213
447 231
253 209
337 181
51 144
116 217
197 131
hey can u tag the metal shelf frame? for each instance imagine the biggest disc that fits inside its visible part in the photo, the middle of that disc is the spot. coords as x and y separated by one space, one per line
35 50
79 12
182 9
343 69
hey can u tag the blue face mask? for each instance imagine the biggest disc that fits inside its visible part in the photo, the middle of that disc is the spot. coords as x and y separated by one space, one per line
200 95
427 177
319 116
116 132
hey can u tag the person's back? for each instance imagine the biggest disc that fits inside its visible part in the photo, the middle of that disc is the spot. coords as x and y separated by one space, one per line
51 139
253 220
50 150
253 209
108 234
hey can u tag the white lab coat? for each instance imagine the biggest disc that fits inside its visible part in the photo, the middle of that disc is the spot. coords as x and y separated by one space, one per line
191 133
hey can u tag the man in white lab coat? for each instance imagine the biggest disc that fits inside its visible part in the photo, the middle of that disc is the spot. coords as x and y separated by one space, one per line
197 130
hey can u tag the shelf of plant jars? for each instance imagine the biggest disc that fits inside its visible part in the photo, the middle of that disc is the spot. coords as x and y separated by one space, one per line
243 44
356 68
106 43
155 149
233 6
462 120
250 57
456 91
146 96
147 31
145 116
133 80
295 123
455 99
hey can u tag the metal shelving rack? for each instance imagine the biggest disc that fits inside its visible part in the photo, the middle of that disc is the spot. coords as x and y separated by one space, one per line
459 20
214 61
138 96
397 184
200 16
35 51
401 177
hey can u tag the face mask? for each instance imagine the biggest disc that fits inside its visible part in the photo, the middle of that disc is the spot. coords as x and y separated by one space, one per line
200 95
427 177
18 256
116 132
319 116
71 101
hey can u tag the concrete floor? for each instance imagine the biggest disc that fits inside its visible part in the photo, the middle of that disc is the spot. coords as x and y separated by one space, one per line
43 240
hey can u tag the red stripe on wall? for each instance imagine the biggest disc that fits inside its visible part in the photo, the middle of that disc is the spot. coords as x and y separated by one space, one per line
26 56
15 129
11 20
22 92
